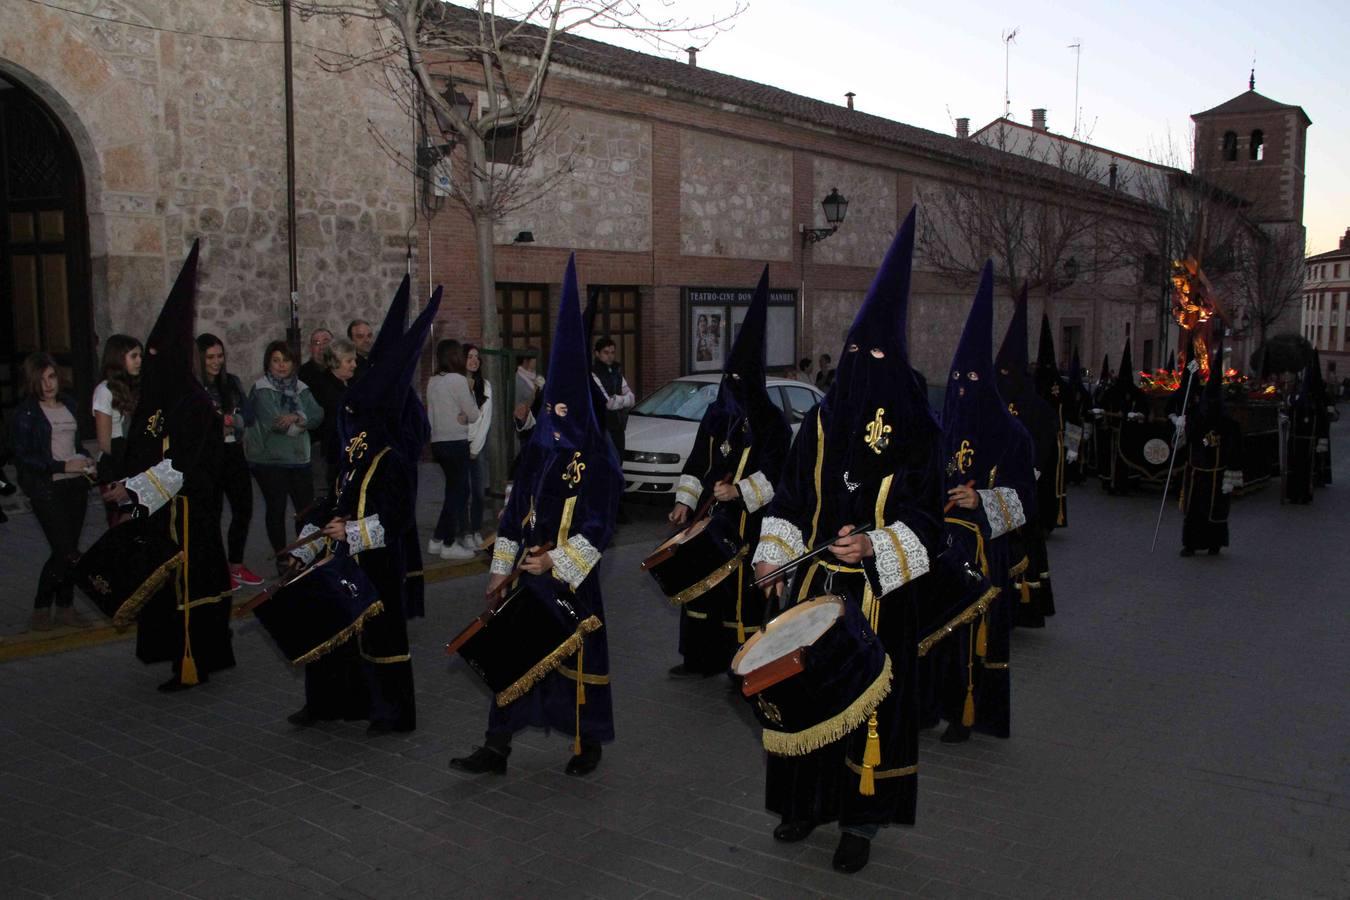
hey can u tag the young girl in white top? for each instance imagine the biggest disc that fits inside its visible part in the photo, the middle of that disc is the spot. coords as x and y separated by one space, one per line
114 402
478 435
451 409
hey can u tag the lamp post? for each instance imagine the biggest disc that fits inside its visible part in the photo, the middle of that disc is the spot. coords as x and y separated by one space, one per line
835 207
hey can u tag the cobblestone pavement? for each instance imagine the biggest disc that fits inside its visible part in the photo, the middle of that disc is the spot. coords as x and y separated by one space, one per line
1179 730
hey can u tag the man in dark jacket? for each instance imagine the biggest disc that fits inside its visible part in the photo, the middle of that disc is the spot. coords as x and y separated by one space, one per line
608 373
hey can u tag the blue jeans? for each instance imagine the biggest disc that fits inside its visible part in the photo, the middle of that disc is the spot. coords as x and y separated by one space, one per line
477 479
453 458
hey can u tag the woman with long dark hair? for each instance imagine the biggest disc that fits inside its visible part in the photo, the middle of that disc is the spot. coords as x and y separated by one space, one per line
451 408
115 400
51 472
227 394
282 411
478 435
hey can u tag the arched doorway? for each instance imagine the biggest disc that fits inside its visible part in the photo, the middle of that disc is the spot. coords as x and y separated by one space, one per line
44 248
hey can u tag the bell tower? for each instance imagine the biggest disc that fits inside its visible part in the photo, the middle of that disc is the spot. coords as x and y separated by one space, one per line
1254 147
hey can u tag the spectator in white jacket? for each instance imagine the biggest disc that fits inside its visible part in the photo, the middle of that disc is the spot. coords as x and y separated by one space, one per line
478 436
451 409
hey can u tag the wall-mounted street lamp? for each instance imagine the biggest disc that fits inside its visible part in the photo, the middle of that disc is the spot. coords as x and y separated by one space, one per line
835 207
431 153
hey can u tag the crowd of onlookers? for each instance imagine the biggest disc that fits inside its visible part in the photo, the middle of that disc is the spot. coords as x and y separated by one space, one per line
279 432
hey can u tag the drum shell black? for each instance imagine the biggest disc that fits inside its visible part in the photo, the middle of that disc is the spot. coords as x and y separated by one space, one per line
319 609
699 563
126 566
532 623
838 667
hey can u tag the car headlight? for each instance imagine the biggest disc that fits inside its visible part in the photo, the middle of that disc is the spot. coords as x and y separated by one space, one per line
650 457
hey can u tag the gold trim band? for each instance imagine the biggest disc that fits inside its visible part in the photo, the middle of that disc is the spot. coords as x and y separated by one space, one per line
699 588
342 636
586 677
569 647
131 607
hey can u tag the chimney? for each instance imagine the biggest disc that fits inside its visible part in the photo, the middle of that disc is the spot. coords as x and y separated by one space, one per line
1345 240
849 96
963 127
693 56
1112 173
1038 120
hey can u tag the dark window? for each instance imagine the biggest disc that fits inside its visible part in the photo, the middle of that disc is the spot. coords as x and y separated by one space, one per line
504 145
618 315
524 318
1257 148
1230 145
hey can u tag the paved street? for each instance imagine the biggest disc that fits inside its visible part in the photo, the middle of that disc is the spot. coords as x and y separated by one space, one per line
1179 729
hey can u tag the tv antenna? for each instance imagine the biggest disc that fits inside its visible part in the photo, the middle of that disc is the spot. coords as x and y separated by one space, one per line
1077 48
1008 37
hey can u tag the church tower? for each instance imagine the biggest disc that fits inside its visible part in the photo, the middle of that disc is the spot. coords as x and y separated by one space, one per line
1254 147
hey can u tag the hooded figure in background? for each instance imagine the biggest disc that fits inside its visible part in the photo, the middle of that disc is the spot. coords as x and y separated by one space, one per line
1036 598
737 458
382 428
1308 431
1123 408
1053 389
1322 448
1213 466
989 473
176 446
1099 458
566 494
863 475
1078 427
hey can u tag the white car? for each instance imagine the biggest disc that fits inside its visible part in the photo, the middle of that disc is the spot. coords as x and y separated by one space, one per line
661 430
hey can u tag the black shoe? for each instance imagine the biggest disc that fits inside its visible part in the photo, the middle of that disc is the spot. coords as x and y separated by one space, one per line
1187 551
792 832
1213 551
7 489
683 671
483 759
852 853
302 718
584 763
3 518
956 733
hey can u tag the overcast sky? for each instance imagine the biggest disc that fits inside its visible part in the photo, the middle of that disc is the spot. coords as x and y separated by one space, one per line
1145 68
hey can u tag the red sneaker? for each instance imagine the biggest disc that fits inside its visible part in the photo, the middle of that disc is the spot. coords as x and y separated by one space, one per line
241 574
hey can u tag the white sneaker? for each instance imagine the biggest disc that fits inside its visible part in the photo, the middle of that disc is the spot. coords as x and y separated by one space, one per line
478 540
455 551
435 547
466 541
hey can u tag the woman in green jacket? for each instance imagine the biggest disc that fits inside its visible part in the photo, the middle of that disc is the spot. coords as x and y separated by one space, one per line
281 413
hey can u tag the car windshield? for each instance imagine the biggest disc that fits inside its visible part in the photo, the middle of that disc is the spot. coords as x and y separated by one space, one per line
685 400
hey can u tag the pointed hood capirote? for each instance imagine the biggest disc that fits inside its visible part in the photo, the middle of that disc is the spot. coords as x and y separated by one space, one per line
380 407
169 373
567 416
874 386
1012 359
743 377
976 423
1047 365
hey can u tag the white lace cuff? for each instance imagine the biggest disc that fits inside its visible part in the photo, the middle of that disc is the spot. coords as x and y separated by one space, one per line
755 491
504 556
365 534
900 556
306 552
573 561
779 541
1003 509
688 491
156 486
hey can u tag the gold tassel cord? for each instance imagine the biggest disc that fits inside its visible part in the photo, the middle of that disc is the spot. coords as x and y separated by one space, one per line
187 674
800 743
982 637
581 696
968 709
871 758
342 636
568 648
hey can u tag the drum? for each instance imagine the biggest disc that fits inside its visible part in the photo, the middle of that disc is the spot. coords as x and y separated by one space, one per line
956 593
319 609
528 635
125 567
696 560
813 674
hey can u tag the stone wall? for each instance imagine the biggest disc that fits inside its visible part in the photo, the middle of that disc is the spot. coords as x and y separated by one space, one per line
181 135
595 175
871 221
735 198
